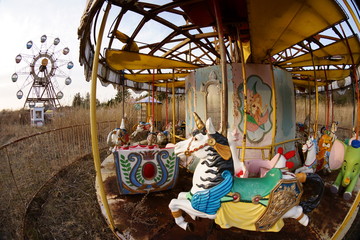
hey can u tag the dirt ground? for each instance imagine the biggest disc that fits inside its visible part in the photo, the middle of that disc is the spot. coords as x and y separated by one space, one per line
67 208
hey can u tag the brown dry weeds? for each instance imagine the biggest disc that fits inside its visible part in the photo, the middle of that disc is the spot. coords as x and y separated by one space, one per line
67 207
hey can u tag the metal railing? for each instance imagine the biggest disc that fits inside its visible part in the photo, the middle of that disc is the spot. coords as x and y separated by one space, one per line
26 164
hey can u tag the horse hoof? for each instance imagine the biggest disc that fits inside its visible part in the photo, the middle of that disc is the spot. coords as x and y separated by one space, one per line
347 196
334 189
190 227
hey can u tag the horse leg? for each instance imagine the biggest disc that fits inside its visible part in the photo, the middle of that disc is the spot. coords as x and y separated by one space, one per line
304 169
300 169
178 205
183 196
298 214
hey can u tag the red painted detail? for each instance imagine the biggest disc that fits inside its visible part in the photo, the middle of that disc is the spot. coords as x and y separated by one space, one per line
239 174
149 170
289 165
289 154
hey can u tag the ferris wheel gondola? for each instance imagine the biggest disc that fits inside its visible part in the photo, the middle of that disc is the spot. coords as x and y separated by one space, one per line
43 72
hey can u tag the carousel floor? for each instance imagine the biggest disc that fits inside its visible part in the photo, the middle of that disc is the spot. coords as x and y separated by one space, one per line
148 216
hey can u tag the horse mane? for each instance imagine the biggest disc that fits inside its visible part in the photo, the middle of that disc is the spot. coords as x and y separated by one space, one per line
215 160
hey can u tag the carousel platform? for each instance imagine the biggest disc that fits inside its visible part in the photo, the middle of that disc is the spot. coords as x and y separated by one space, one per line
147 216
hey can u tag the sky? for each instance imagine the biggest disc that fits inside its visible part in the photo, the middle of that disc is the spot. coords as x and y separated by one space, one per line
24 20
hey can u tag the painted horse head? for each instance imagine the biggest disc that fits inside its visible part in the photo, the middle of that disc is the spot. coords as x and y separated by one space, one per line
197 146
309 145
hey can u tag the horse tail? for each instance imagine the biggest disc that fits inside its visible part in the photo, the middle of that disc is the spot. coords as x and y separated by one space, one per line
318 191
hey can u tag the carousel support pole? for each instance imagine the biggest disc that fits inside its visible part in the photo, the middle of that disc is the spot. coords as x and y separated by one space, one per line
273 102
224 92
166 103
327 101
316 95
153 99
173 107
243 65
123 97
155 114
309 95
332 103
93 125
305 98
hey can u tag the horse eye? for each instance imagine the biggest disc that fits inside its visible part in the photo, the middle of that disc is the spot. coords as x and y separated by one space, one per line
195 138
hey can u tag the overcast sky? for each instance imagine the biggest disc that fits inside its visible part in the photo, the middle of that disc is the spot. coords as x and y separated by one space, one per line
24 20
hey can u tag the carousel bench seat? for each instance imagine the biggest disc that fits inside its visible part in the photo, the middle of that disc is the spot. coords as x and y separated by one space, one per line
248 188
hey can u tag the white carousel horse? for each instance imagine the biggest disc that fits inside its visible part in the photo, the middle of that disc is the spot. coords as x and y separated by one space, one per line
318 155
118 137
310 147
246 203
139 136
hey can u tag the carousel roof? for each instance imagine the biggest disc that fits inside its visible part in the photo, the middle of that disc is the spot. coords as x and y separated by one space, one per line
148 43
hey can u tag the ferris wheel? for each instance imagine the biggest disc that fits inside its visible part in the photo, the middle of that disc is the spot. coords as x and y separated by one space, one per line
42 72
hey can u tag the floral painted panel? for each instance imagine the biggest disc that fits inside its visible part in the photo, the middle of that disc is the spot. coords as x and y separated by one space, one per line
143 169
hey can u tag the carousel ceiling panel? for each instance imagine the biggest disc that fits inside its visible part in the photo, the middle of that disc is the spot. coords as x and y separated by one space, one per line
331 75
169 85
153 77
277 25
333 54
121 60
305 83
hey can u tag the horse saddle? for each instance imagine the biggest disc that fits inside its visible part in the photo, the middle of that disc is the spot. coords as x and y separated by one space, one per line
255 189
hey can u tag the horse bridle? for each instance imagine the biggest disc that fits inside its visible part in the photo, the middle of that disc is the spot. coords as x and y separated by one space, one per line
308 147
188 152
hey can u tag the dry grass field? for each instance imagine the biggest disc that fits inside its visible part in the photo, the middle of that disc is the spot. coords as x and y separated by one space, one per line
341 112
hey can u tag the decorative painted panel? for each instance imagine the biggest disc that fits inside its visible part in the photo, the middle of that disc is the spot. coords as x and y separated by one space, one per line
143 169
259 108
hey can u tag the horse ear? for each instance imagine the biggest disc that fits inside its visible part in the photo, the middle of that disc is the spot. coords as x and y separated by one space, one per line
198 121
210 127
122 125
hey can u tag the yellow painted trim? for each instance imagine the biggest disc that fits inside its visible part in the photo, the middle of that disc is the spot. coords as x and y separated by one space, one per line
93 123
316 96
273 92
248 147
245 102
271 146
347 218
353 15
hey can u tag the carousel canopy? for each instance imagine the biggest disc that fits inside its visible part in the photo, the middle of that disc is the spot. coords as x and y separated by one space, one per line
303 37
153 77
335 53
121 60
